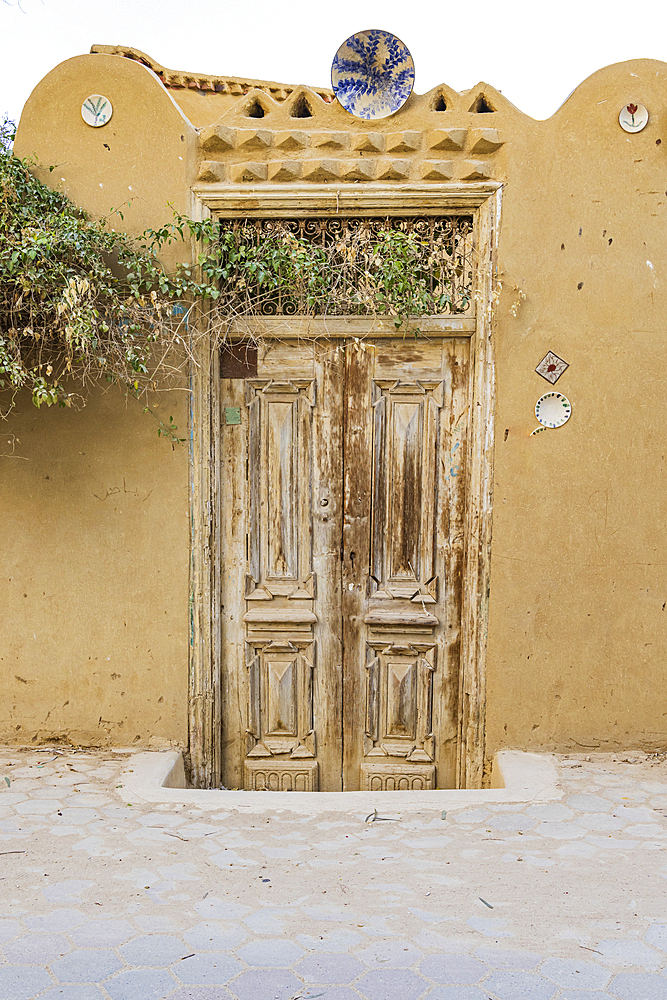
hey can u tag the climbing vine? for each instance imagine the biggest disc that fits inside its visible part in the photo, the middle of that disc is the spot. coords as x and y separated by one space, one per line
81 302
78 300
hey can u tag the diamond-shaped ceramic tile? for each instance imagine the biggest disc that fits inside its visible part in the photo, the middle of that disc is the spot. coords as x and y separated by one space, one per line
551 367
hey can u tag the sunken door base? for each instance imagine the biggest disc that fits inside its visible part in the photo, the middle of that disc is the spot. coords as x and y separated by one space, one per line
388 777
281 776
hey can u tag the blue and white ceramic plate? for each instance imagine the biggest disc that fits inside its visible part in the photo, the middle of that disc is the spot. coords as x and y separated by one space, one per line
372 74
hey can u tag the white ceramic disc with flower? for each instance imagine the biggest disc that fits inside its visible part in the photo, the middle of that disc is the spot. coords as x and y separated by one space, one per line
633 117
96 110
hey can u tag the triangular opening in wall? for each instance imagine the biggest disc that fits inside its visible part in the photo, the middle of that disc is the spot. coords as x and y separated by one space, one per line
481 106
439 104
301 108
254 110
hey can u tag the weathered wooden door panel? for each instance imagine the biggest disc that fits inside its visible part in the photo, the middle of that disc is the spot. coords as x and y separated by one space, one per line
404 472
403 514
282 663
280 537
343 504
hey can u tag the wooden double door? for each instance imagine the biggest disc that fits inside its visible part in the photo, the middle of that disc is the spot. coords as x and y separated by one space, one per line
342 492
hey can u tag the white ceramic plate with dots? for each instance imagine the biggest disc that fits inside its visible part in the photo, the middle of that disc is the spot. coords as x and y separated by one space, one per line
553 409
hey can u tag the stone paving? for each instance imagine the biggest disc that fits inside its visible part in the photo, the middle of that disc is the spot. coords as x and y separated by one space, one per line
101 897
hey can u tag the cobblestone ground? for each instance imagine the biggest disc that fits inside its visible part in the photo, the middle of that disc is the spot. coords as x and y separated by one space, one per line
101 897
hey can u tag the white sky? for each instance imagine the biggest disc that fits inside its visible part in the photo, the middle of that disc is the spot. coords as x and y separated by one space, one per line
535 52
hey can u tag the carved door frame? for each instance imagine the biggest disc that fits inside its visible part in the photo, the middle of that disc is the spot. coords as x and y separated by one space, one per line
205 709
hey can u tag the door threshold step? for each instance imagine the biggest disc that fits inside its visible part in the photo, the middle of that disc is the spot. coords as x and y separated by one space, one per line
159 776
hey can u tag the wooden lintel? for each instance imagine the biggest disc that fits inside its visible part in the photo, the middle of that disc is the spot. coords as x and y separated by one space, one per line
285 200
359 327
